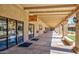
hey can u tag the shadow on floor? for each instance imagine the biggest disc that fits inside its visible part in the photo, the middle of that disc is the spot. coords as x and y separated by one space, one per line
34 39
61 49
25 44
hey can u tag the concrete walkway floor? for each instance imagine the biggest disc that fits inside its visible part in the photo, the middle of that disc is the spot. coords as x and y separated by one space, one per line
47 44
57 47
42 46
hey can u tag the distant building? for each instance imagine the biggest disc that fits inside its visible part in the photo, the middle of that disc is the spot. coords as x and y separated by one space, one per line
71 27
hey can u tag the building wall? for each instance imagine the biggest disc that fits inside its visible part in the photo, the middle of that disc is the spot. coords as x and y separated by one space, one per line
37 24
15 12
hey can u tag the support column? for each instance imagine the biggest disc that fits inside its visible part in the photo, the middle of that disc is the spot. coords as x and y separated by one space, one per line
57 29
61 30
65 28
76 48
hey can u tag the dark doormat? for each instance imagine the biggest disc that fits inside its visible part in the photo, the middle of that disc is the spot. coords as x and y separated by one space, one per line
34 39
26 44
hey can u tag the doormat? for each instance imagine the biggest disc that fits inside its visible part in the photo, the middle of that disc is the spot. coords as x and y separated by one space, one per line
25 44
34 39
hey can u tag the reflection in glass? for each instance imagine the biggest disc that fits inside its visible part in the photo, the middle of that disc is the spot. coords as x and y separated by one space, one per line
3 27
31 31
11 32
19 32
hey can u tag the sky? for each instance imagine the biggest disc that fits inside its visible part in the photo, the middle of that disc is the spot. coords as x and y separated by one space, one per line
71 20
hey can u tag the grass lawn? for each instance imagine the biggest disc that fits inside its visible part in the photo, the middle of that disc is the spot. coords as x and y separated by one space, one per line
72 37
2 33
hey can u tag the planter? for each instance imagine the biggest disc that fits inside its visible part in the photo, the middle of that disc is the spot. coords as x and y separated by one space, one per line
67 41
75 50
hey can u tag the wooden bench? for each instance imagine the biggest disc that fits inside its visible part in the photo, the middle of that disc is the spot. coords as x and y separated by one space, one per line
67 41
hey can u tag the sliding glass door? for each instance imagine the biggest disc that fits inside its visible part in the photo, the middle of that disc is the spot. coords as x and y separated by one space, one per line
11 32
20 32
3 33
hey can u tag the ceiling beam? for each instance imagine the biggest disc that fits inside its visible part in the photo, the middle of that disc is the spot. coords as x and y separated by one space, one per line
68 16
52 6
51 14
53 11
61 13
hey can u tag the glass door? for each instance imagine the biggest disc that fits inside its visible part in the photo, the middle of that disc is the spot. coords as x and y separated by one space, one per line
3 33
11 32
31 31
20 32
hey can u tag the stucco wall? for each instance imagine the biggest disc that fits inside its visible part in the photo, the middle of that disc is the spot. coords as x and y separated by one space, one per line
36 24
15 12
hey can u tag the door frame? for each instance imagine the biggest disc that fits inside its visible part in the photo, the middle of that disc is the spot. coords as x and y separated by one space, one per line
33 29
5 19
17 29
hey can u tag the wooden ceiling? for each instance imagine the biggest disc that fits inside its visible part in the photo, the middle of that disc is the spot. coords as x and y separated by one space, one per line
51 14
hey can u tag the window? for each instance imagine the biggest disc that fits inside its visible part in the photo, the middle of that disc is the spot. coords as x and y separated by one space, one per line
20 32
3 33
31 31
11 32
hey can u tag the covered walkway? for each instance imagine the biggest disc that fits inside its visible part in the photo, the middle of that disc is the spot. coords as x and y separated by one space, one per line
48 43
20 23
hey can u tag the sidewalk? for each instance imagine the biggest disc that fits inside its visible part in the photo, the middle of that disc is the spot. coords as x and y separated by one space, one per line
48 43
42 46
57 47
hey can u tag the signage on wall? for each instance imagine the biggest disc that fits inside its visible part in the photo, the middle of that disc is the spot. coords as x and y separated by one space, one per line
33 18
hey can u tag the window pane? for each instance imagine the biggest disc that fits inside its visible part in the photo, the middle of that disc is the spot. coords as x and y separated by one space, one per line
3 27
31 31
11 32
20 32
